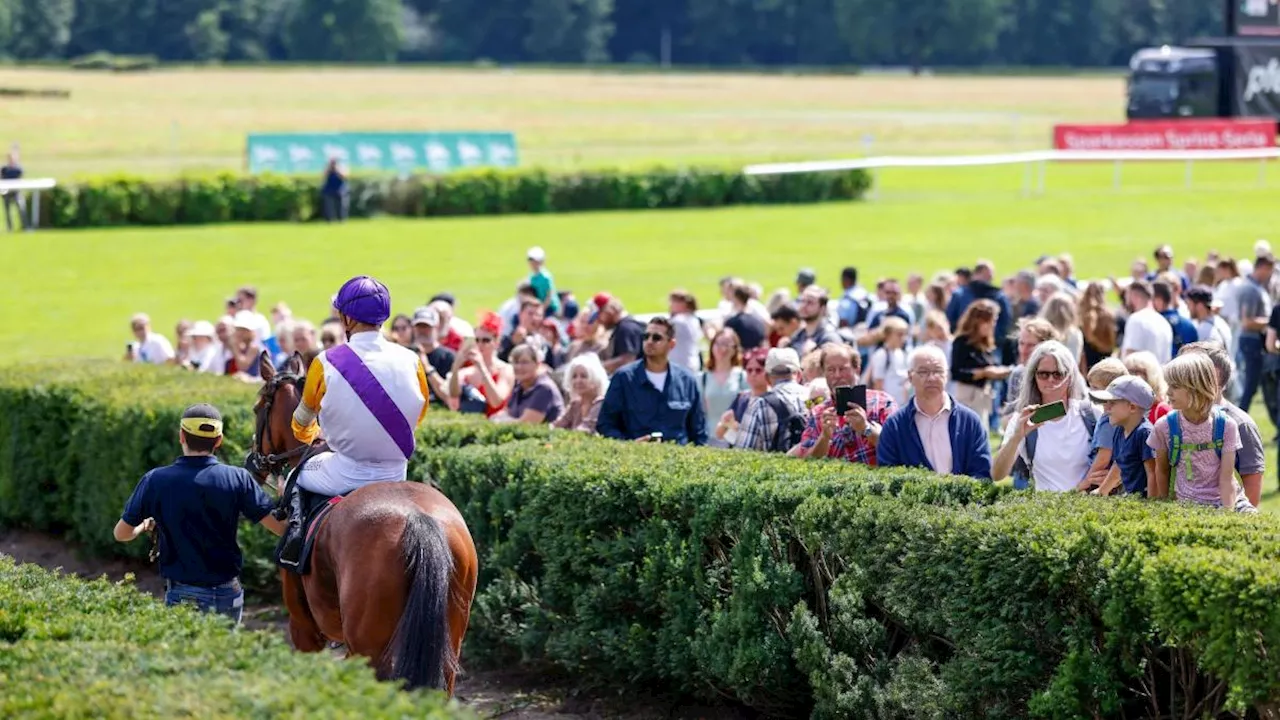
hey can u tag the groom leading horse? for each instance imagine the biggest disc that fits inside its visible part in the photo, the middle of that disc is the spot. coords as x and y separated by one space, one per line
390 568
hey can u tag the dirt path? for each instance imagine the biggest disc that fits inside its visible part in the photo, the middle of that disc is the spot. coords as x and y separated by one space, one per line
511 695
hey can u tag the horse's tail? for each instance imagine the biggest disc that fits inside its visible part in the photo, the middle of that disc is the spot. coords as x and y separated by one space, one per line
420 648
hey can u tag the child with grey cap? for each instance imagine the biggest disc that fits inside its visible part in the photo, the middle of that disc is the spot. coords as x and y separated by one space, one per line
1127 401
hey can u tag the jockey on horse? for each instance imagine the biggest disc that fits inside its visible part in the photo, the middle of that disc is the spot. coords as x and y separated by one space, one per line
367 395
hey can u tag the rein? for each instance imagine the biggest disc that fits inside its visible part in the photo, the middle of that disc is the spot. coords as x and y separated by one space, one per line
277 463
273 463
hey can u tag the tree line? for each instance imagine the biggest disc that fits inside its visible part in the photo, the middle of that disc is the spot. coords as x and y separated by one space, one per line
685 32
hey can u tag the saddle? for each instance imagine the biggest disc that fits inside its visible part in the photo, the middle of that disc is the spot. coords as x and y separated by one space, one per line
314 508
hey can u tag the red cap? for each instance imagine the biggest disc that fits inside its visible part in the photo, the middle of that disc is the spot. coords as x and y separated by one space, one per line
601 299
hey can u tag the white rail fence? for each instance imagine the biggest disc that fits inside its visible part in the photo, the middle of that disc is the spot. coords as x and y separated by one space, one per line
1034 161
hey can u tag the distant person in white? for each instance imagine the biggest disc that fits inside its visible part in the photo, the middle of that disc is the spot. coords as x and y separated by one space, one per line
1146 329
207 354
887 368
683 307
151 347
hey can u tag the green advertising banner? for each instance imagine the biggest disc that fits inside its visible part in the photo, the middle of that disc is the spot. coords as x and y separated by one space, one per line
402 152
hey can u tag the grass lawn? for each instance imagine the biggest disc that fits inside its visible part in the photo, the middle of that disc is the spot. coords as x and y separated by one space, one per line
71 293
168 121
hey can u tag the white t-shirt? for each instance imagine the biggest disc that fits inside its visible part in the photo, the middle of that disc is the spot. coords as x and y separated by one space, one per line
1062 451
1226 291
659 380
156 350
261 325
688 330
212 360
1148 330
1214 329
890 367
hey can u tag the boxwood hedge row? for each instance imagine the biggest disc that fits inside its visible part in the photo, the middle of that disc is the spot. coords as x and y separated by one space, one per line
126 200
76 649
798 588
76 436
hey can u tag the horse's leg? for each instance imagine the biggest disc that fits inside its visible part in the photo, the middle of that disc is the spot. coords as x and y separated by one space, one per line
303 630
371 592
462 590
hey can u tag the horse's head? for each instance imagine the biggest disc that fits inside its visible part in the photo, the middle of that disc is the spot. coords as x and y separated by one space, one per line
274 446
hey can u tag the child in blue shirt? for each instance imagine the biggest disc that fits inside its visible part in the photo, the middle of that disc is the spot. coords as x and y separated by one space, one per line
1100 376
1127 400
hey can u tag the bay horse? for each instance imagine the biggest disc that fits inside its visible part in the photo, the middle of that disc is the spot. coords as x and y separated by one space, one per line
393 566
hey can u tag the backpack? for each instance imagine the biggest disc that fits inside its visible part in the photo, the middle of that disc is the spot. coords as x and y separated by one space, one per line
1087 414
1177 447
790 423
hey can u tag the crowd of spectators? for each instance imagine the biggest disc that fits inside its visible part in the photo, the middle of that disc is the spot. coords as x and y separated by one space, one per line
1138 385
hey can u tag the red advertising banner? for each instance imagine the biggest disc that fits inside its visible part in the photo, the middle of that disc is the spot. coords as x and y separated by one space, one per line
1167 135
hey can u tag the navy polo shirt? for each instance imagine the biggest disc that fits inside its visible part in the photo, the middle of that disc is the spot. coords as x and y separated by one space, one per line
633 407
1130 453
197 503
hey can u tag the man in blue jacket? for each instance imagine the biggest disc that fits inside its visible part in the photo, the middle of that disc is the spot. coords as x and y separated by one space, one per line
652 399
932 430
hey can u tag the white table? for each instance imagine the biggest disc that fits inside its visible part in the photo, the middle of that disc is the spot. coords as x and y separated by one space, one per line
34 186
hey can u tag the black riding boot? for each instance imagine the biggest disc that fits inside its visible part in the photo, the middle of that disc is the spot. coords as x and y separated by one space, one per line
292 540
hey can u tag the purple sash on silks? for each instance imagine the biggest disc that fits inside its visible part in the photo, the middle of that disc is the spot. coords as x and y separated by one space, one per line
372 394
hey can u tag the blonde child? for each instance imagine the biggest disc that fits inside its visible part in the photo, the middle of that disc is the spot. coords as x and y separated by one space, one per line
887 368
1100 376
937 332
1204 439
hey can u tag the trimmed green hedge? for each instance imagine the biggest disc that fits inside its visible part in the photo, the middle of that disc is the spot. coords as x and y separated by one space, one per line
76 649
76 436
798 588
124 200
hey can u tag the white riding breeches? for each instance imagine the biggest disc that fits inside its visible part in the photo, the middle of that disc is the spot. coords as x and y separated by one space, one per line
332 474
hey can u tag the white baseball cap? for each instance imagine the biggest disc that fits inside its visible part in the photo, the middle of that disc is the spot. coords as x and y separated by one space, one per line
201 328
244 320
536 254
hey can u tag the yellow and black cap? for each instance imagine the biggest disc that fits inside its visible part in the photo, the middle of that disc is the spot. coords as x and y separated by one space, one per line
202 420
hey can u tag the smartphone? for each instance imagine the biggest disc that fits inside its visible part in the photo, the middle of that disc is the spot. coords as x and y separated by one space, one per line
860 396
844 398
1052 411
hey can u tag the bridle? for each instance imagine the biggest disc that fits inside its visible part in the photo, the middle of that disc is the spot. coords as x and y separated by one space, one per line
259 462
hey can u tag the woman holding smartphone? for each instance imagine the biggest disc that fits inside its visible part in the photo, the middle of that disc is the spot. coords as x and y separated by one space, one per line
480 382
1052 424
